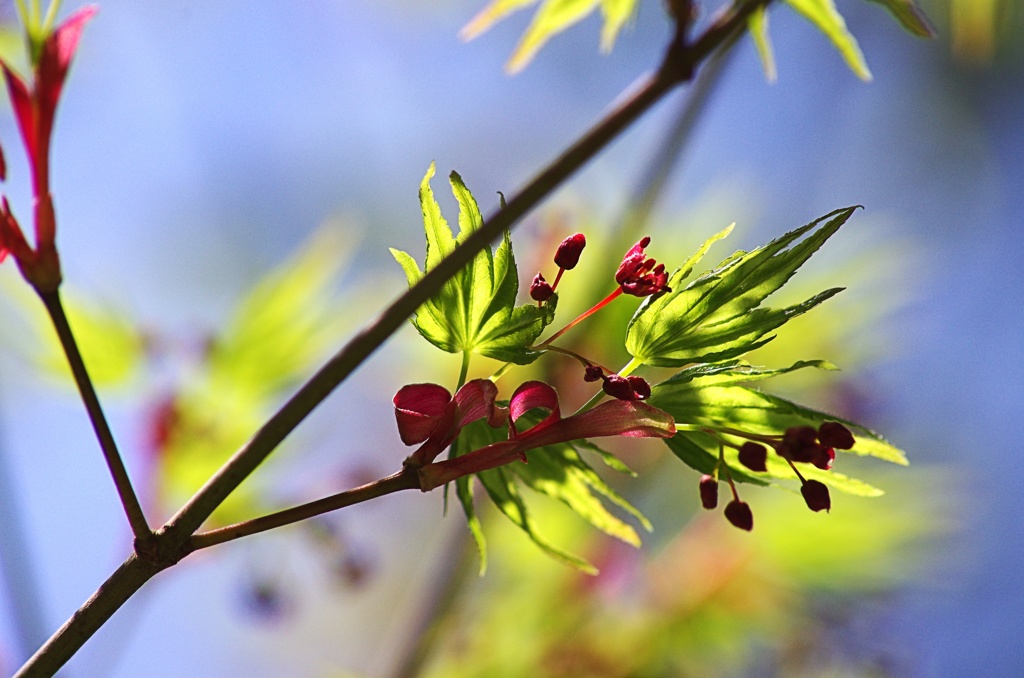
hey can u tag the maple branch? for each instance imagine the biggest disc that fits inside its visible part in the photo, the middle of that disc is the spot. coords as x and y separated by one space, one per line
173 541
406 479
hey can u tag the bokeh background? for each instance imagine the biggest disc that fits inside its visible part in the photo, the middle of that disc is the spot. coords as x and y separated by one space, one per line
199 145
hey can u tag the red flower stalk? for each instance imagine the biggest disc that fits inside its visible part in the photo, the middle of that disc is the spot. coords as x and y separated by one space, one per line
640 276
34 109
424 416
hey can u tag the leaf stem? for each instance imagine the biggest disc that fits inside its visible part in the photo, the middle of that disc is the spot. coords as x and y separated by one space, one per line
130 502
464 372
406 479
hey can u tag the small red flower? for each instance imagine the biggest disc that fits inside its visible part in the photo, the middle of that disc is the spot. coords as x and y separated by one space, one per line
639 275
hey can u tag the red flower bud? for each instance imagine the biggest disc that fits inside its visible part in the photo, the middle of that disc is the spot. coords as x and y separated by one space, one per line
739 514
708 492
834 434
593 373
618 387
754 456
800 443
540 290
568 253
824 457
816 495
641 388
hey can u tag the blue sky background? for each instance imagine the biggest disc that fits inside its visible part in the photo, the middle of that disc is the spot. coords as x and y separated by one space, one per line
198 143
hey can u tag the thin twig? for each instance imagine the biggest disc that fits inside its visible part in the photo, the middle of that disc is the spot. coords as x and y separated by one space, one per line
130 502
108 598
406 479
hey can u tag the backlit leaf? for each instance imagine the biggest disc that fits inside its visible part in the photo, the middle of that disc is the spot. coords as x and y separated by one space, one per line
551 18
910 15
719 314
716 397
824 15
559 472
757 24
475 310
501 488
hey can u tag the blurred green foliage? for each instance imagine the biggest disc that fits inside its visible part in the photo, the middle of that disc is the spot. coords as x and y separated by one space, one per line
710 602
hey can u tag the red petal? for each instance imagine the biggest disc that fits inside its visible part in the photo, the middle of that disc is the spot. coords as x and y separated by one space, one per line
533 394
475 401
52 69
21 101
418 409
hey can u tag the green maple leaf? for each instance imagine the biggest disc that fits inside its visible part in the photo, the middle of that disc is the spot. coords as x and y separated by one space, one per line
719 314
719 396
475 311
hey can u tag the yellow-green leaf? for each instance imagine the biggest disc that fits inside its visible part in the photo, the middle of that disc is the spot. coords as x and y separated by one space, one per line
824 15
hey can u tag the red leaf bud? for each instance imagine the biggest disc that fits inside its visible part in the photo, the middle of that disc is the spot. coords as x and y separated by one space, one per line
754 456
641 388
816 495
739 514
618 387
834 434
568 253
540 290
593 373
708 492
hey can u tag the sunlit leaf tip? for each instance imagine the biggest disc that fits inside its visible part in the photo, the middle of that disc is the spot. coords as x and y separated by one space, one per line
910 15
824 15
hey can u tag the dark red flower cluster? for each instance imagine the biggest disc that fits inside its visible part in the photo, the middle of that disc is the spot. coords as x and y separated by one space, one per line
639 275
566 257
799 444
623 388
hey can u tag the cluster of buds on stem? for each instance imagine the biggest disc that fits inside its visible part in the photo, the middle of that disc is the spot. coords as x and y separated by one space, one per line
566 257
799 444
623 388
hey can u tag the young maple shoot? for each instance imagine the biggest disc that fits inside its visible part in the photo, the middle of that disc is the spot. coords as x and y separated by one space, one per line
706 412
